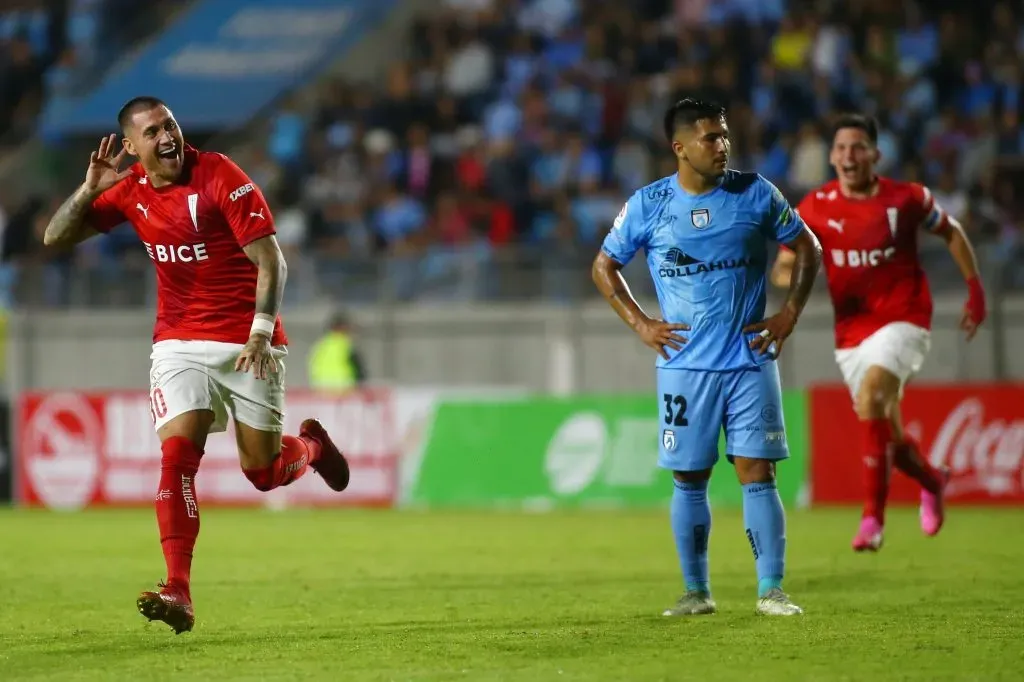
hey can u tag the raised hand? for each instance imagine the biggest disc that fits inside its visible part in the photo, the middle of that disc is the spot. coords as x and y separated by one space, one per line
103 166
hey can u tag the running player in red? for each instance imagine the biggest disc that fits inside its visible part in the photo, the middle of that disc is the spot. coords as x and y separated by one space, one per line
868 227
218 343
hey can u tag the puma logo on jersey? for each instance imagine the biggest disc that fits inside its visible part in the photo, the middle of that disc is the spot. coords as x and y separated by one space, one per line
861 258
144 209
836 225
257 215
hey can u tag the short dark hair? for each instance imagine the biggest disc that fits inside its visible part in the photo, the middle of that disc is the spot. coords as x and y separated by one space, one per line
135 104
859 121
686 112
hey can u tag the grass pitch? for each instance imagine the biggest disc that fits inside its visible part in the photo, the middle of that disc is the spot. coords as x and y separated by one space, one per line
353 595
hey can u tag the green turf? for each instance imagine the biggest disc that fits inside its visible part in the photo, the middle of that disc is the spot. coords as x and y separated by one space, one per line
342 595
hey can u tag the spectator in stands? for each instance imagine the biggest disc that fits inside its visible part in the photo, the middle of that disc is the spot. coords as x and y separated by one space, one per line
15 244
519 127
20 80
809 166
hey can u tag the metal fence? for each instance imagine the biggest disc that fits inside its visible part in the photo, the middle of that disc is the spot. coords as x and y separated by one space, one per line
558 272
543 330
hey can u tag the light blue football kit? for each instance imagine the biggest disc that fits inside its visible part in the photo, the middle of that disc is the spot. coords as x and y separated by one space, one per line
708 257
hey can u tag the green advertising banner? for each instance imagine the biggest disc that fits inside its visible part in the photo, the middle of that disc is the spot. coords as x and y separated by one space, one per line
582 451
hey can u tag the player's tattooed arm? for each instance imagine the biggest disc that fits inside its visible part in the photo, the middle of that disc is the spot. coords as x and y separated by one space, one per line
607 275
68 225
806 263
782 270
272 271
257 354
774 330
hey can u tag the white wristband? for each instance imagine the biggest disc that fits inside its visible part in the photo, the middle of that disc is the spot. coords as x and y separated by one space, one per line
262 324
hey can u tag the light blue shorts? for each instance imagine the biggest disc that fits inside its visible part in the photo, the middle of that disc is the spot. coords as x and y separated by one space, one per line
696 405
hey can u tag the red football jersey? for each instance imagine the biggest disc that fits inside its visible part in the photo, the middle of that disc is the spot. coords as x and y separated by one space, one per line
194 231
871 257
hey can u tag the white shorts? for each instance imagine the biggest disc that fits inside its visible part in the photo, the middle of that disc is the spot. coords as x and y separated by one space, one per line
899 347
200 375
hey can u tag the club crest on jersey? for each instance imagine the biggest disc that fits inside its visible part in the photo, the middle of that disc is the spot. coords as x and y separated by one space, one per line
700 217
668 439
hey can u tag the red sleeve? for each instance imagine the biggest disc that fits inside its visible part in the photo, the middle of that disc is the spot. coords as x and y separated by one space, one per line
805 211
928 215
241 203
106 213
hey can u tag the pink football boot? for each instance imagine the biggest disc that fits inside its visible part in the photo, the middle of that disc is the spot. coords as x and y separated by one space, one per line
869 536
933 511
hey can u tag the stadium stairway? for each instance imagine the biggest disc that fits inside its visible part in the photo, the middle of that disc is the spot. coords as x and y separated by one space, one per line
365 62
18 171
27 169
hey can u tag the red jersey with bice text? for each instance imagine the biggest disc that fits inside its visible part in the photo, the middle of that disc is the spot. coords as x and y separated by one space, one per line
870 254
194 231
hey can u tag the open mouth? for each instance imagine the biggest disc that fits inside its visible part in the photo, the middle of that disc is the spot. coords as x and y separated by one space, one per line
170 153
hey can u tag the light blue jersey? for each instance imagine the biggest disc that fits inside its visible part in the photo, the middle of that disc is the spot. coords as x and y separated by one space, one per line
708 255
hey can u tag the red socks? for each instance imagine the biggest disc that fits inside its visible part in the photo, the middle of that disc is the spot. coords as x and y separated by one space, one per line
177 508
908 459
296 455
877 434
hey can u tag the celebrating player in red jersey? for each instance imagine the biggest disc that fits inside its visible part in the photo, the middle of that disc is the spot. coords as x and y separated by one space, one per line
868 227
218 343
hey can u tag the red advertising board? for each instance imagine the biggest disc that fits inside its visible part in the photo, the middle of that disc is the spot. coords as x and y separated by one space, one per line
99 448
975 430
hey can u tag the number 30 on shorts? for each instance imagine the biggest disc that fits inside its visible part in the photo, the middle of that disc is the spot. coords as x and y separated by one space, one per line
157 405
675 410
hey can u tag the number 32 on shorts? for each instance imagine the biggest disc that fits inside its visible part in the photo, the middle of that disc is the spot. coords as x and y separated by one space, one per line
675 410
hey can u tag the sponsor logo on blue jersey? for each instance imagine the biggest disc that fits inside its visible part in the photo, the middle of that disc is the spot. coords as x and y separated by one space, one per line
678 264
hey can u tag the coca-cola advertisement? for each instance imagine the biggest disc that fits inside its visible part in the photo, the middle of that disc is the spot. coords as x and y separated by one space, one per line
977 431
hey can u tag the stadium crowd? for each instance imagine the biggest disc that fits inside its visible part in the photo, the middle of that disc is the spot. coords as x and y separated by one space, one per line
513 131
55 47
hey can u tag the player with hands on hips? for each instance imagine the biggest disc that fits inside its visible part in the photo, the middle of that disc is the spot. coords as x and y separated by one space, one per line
705 232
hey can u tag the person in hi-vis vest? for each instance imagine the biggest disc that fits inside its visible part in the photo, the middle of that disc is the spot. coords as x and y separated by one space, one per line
334 363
